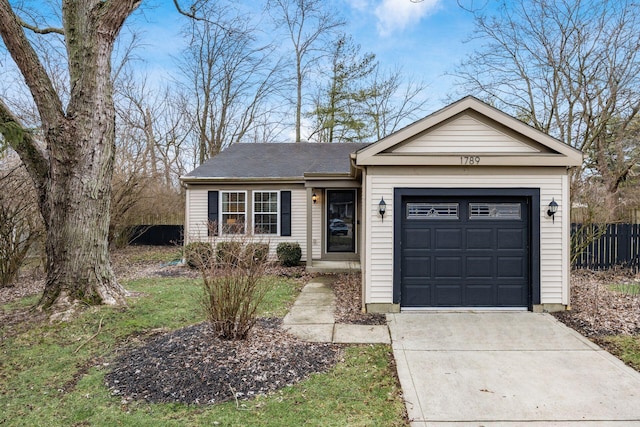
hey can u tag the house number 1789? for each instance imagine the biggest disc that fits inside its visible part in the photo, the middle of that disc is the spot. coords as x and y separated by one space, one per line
470 160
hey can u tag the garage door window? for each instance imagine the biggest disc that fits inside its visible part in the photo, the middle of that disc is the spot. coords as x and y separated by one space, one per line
505 211
432 210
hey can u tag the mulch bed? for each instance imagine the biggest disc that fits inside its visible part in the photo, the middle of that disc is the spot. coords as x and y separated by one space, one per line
347 289
192 365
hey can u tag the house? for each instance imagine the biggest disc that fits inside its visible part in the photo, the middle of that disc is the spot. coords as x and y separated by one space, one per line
467 208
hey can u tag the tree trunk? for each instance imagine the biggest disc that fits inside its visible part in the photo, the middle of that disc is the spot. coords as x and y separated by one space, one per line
73 174
298 98
79 199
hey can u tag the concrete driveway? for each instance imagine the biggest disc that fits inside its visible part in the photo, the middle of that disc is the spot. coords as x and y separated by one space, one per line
508 369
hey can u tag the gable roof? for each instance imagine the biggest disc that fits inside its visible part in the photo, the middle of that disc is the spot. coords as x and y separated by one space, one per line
429 140
276 161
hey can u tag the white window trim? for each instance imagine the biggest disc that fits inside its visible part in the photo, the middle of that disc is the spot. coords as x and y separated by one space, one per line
222 212
253 213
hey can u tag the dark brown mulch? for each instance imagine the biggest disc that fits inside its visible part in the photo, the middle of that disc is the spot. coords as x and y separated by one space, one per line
193 366
348 290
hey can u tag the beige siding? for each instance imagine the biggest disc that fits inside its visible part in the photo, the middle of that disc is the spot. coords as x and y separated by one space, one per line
465 135
298 222
196 223
380 182
318 225
196 215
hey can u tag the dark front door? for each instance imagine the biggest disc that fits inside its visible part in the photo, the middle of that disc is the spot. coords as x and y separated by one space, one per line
465 252
341 220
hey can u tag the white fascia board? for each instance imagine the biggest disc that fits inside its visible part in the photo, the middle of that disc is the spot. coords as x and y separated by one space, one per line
459 160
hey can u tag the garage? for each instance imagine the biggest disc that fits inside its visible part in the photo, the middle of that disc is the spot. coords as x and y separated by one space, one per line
466 248
467 208
465 252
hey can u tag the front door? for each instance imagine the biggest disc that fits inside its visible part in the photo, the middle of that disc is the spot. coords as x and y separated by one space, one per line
341 221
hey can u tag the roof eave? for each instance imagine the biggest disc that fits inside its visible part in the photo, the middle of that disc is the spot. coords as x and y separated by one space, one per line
318 175
239 180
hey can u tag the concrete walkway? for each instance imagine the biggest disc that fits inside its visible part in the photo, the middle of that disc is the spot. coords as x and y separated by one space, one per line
311 318
508 369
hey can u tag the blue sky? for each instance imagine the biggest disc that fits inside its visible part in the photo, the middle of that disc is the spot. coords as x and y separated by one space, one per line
425 39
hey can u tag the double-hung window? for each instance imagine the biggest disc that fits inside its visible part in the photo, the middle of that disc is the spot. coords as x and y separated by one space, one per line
265 212
227 212
233 210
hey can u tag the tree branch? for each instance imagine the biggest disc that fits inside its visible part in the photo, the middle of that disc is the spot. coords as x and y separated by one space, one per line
191 14
115 12
32 155
37 30
25 57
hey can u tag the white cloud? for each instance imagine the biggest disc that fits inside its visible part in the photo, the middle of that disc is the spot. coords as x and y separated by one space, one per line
396 15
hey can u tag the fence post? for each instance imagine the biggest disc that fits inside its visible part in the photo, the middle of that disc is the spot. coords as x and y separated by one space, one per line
624 237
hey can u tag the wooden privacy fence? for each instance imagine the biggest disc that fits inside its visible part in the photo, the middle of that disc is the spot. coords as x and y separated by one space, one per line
156 235
600 247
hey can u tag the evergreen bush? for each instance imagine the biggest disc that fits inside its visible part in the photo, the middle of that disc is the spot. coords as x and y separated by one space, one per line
289 253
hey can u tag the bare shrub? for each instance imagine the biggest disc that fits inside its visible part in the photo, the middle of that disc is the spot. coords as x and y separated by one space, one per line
234 286
229 252
20 223
590 214
256 252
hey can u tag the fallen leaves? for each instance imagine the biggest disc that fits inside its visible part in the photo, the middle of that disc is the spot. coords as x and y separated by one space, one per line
599 309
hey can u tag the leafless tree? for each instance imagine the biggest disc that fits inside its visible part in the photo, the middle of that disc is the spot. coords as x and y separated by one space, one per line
395 101
20 225
152 129
310 26
230 76
570 68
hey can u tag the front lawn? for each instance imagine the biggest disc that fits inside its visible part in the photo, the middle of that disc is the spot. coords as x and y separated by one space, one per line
624 347
628 288
54 374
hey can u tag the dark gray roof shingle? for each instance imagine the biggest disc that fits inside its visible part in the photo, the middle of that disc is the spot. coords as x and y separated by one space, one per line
277 160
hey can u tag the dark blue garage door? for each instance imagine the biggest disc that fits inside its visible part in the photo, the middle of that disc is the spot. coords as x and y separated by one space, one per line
465 252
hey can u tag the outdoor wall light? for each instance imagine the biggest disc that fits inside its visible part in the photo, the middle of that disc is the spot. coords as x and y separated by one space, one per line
553 208
314 198
382 208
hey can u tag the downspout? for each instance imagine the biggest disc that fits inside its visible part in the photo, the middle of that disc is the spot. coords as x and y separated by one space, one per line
363 237
185 225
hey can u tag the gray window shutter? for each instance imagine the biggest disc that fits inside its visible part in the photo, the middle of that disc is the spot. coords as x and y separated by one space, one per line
212 214
285 213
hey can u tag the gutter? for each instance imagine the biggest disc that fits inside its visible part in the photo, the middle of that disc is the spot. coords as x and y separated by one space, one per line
240 180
